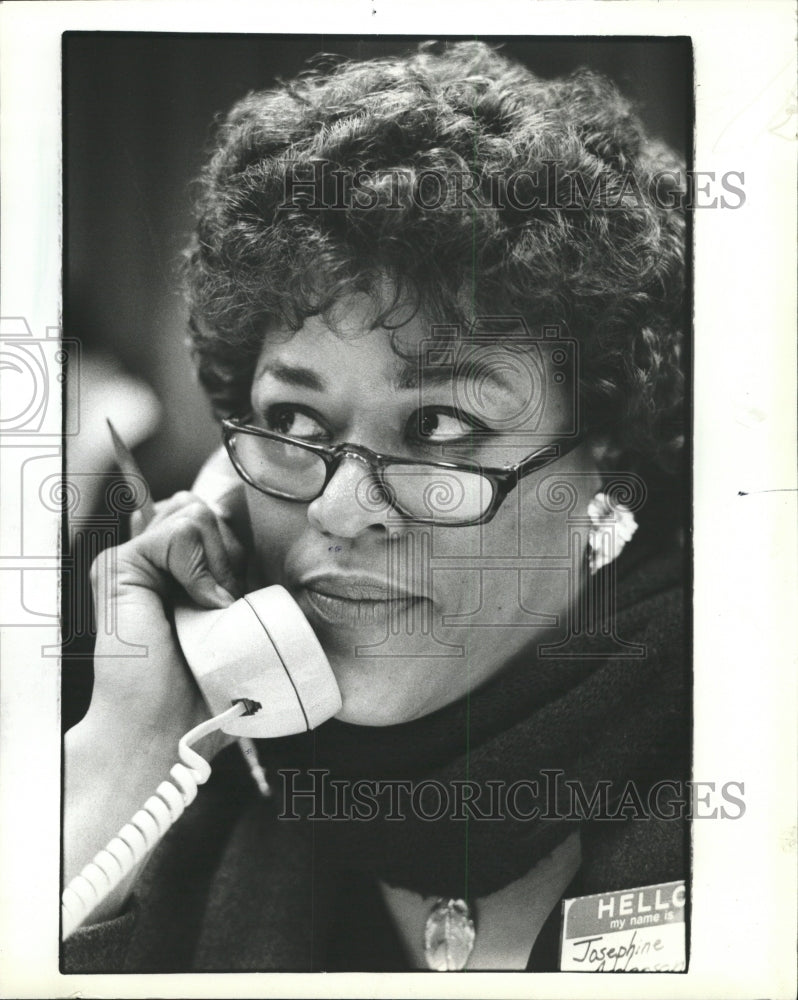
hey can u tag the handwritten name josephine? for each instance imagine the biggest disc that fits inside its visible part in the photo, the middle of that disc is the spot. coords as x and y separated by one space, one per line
623 956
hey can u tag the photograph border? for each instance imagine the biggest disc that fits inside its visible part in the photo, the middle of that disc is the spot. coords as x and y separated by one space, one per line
743 926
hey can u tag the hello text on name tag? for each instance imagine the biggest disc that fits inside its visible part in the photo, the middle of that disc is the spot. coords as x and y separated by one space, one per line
635 930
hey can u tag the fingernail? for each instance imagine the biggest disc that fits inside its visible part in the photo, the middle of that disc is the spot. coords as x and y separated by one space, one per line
223 595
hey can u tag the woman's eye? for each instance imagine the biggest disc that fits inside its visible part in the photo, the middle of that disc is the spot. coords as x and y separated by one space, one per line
436 426
293 422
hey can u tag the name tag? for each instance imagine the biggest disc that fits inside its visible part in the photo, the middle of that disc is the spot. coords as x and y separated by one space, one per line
636 930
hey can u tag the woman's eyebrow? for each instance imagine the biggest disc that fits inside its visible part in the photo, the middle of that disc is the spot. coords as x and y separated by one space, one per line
414 375
295 375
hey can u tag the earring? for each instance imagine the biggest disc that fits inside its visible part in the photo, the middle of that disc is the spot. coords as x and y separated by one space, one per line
612 526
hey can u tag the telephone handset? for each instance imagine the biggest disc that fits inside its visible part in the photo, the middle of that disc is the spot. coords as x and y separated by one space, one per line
260 650
262 673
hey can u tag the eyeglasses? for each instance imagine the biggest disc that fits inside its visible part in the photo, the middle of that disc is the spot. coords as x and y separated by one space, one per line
455 494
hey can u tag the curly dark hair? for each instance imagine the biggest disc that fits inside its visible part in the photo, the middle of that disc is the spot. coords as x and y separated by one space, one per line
587 241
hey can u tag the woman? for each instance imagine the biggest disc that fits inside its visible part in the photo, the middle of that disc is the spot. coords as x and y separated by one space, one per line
437 302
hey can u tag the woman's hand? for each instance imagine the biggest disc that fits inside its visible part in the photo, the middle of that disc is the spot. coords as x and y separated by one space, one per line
144 696
134 586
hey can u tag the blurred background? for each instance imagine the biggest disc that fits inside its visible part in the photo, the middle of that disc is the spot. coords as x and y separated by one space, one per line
137 115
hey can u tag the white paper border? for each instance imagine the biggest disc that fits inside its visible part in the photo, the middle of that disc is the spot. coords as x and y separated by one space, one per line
744 878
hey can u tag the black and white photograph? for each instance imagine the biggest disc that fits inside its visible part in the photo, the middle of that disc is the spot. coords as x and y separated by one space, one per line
434 296
378 469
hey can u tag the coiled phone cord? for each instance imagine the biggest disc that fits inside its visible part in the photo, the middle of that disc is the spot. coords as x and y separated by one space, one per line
136 838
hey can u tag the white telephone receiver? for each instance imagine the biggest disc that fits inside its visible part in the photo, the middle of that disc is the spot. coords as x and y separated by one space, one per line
261 650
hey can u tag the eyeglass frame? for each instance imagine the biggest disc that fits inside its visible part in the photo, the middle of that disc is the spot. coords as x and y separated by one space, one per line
503 480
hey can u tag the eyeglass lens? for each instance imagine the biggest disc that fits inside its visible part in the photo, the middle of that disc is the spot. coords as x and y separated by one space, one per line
423 491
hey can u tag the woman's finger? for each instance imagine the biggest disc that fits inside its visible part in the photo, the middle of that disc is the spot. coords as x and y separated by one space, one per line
195 555
225 554
189 547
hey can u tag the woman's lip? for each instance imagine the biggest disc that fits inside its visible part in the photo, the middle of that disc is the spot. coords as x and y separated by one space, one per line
328 609
356 588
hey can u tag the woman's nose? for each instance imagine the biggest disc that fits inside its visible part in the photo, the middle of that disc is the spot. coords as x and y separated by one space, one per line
352 501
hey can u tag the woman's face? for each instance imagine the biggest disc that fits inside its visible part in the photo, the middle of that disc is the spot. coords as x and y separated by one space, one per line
414 616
